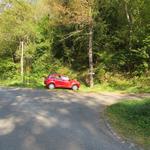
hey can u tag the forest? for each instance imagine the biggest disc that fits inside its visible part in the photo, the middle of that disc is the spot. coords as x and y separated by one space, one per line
99 42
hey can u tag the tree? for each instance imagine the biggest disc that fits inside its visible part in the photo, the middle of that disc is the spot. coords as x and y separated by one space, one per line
17 26
74 12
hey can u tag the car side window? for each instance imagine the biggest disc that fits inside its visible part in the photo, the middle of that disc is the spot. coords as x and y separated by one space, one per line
64 78
58 77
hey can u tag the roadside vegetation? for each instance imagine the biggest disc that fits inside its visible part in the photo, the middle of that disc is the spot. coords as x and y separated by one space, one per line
114 83
131 119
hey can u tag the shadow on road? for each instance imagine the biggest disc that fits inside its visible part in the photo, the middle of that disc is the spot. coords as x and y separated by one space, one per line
45 120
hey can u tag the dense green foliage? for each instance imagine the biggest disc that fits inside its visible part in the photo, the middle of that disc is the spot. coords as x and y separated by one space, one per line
134 117
121 41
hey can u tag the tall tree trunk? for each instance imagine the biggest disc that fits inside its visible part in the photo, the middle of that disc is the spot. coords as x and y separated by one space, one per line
22 67
129 20
91 49
130 25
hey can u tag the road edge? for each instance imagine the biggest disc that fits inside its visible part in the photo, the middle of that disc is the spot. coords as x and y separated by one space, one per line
116 136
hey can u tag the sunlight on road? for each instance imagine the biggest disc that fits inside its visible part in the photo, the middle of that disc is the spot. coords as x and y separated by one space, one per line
7 125
47 122
38 119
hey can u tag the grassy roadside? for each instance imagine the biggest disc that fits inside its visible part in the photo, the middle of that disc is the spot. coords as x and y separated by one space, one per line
114 84
122 85
131 119
107 87
38 84
96 89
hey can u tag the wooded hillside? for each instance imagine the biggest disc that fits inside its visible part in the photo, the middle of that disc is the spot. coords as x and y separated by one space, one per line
86 39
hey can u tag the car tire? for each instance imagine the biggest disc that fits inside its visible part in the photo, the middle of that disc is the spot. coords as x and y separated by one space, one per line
51 86
75 88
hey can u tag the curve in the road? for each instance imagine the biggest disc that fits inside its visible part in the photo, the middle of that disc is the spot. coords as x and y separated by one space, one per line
45 120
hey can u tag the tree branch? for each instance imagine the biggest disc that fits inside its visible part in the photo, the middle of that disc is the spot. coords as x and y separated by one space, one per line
70 35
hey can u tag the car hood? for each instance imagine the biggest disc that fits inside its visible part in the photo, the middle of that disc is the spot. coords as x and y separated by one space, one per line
75 81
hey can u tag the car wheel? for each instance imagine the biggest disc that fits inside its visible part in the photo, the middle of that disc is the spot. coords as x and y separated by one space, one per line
74 87
51 86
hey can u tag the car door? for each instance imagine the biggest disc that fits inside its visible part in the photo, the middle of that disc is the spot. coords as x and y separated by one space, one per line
58 81
62 82
65 82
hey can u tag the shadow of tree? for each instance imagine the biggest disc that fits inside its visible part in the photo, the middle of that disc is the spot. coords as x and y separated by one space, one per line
43 120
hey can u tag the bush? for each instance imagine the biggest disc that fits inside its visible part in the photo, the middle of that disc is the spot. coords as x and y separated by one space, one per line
7 69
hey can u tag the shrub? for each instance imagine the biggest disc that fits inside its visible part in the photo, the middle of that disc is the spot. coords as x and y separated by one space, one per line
7 69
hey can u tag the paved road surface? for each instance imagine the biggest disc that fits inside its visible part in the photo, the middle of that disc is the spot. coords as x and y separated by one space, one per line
55 120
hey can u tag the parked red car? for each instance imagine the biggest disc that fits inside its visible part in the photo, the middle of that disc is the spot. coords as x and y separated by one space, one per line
60 81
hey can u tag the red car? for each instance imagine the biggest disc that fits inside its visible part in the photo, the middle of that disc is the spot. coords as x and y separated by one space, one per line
60 81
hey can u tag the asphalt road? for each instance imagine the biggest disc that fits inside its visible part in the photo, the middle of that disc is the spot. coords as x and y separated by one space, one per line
55 120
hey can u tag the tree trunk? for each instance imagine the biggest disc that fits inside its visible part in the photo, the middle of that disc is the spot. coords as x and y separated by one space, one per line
91 53
129 20
22 67
130 25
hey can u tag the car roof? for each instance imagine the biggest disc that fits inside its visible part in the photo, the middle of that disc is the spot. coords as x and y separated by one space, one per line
53 75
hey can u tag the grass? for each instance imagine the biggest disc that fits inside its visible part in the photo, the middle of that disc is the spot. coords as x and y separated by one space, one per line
98 88
36 83
114 84
122 85
131 119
